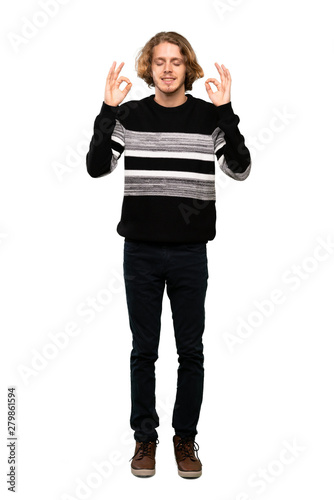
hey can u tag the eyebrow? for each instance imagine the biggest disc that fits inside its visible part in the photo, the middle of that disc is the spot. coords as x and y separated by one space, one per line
172 59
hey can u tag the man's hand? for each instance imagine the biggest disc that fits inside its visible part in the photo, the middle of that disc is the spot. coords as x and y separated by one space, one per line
113 96
223 93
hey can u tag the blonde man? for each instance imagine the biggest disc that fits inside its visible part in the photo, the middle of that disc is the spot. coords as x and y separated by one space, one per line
170 142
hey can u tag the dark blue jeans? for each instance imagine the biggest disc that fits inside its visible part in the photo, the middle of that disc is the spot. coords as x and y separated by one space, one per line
148 267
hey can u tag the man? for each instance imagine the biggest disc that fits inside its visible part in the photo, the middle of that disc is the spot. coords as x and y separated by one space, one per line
170 142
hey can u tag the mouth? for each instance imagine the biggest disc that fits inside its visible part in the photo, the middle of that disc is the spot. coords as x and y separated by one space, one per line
168 80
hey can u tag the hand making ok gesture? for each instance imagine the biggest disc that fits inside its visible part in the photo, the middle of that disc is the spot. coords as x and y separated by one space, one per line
113 95
223 93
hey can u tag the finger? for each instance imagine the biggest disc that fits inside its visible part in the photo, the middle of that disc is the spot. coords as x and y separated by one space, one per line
226 72
208 89
111 70
127 87
118 70
122 79
219 68
115 72
214 81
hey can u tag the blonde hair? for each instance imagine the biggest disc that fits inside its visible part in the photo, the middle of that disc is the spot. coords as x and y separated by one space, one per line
144 58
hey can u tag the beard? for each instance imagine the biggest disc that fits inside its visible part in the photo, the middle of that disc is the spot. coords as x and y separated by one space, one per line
169 89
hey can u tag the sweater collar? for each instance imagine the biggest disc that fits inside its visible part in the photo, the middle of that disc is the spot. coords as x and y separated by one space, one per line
167 109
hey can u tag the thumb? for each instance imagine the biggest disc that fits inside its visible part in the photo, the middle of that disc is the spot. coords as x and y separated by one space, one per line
127 88
208 88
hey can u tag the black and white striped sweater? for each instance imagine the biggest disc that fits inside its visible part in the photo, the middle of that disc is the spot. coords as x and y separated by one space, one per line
169 164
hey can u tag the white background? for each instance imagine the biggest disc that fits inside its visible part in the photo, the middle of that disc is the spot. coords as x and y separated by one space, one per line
268 385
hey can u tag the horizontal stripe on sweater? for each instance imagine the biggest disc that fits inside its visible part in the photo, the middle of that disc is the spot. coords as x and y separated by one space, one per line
164 144
169 183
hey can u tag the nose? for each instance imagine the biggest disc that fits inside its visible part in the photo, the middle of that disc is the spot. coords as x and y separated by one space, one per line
167 67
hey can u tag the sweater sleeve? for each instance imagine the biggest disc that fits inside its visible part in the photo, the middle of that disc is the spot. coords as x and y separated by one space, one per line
107 143
232 154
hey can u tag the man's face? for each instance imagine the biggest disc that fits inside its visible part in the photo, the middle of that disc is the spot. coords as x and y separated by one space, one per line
168 68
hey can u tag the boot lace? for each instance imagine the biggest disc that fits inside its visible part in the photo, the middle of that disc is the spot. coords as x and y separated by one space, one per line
144 449
187 446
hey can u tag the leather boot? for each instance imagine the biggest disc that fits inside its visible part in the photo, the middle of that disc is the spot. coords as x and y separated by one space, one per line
188 464
143 461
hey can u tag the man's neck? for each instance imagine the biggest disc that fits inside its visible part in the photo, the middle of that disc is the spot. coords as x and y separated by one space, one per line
170 100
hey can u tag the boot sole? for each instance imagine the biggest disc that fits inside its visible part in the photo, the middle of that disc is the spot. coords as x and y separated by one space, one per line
143 472
189 474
